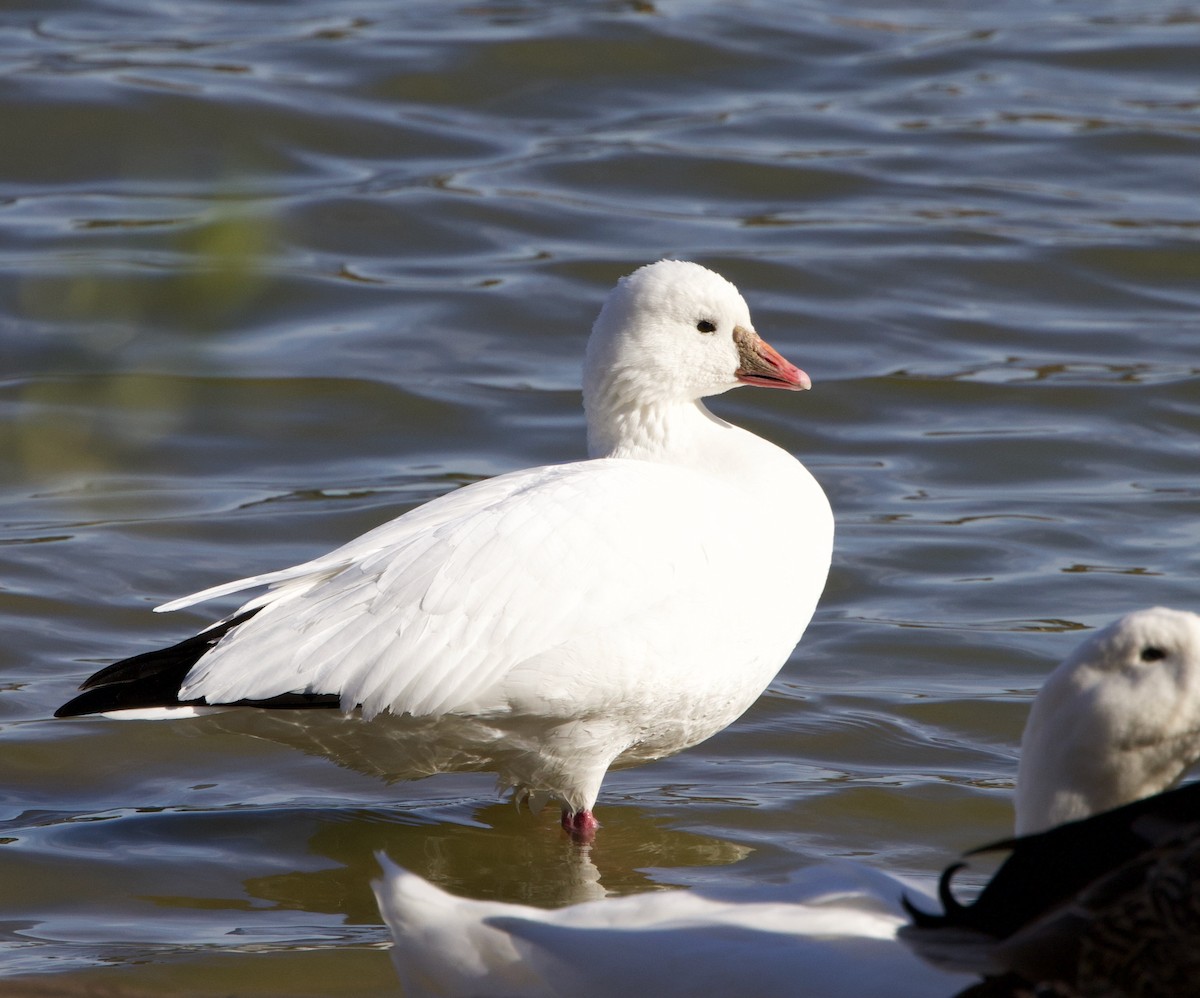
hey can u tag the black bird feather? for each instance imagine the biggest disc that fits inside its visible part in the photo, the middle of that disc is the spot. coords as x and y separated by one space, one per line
153 679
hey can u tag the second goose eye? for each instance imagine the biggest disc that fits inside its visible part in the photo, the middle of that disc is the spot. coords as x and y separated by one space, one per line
705 326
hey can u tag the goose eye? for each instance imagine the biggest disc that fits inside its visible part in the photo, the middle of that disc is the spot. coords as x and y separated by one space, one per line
1152 654
705 326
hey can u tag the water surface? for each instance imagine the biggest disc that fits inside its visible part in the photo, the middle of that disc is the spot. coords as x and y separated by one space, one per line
271 273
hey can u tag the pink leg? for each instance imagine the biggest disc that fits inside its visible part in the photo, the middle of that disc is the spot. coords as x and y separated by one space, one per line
581 825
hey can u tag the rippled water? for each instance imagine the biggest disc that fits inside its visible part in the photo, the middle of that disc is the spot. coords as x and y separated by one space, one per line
271 273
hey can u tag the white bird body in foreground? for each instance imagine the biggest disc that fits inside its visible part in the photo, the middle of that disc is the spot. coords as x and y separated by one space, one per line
829 932
562 619
832 930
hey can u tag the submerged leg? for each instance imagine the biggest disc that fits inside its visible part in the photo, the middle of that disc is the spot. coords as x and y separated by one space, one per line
581 825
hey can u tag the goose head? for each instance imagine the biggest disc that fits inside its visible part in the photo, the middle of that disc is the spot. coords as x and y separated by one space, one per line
669 334
1118 720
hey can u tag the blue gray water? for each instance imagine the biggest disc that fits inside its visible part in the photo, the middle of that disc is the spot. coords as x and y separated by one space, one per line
271 273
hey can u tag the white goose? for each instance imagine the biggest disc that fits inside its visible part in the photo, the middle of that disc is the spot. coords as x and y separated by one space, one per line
551 623
1127 702
1101 892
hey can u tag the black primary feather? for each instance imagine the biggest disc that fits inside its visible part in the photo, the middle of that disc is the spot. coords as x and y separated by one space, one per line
1108 905
153 678
1047 868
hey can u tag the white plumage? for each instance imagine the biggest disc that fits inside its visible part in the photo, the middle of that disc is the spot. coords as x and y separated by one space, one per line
828 932
831 930
565 619
1118 720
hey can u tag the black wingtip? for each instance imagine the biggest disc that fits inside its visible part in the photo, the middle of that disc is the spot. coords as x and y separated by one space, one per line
151 679
72 708
916 915
951 907
106 698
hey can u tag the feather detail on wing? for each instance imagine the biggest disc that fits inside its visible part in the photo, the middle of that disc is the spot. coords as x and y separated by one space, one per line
432 612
